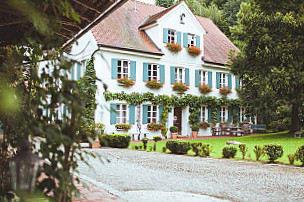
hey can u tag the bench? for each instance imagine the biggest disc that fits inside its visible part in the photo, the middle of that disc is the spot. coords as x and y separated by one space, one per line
258 127
298 134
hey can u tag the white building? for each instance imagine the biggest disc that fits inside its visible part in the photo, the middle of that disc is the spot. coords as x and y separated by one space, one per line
131 43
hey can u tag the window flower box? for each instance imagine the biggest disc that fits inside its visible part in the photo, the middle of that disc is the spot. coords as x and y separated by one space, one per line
204 89
180 87
123 127
155 126
154 84
125 82
174 47
193 51
204 125
225 91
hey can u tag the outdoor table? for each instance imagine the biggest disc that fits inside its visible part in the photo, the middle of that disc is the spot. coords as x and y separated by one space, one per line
237 130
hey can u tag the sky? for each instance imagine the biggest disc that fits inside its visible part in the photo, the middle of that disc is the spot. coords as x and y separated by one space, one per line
148 1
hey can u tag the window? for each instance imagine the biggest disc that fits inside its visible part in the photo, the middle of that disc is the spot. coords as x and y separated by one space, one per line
179 74
223 80
203 77
123 67
182 16
224 114
191 41
152 72
203 114
122 111
152 113
171 36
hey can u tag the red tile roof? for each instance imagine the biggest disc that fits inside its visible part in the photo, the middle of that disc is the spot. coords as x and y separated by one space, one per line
121 29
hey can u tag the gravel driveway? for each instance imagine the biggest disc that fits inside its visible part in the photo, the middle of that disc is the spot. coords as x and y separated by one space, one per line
139 176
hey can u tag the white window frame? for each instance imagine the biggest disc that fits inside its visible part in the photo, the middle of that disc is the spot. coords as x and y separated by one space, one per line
150 75
151 110
177 72
121 74
223 114
119 116
242 114
172 36
191 40
223 80
203 75
203 114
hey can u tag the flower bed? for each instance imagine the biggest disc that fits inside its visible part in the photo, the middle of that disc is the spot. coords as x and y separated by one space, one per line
123 126
193 51
180 87
126 82
204 89
154 84
155 126
225 91
174 47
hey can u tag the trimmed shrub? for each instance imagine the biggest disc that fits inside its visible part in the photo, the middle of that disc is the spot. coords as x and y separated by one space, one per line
145 142
116 141
164 149
258 151
291 158
136 147
299 155
195 127
173 129
206 150
156 139
140 147
273 151
178 146
196 147
243 149
229 152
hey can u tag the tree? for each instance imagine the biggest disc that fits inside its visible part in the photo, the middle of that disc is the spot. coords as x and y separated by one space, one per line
231 9
271 61
165 3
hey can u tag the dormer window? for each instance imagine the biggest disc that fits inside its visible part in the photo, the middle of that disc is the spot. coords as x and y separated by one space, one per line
191 40
171 36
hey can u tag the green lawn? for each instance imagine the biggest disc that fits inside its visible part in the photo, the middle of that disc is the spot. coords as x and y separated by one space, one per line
288 142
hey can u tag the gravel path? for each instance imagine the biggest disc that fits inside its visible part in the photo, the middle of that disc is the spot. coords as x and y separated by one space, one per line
131 172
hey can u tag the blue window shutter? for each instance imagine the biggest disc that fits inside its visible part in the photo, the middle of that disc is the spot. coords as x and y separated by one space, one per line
145 72
133 70
237 82
131 114
187 81
218 113
209 114
73 73
229 81
78 71
114 68
218 85
145 114
210 79
197 82
185 39
172 72
198 41
162 73
165 35
113 108
161 107
179 38
229 114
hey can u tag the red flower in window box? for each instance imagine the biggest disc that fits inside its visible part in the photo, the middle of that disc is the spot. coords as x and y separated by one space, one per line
225 91
180 87
123 126
204 125
174 47
155 126
204 89
126 82
154 84
194 51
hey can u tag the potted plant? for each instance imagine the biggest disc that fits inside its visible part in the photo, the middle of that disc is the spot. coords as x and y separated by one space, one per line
126 82
225 91
180 87
204 125
123 126
204 89
154 84
155 126
174 130
173 47
195 129
193 51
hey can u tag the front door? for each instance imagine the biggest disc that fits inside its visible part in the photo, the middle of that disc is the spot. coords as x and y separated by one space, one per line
177 120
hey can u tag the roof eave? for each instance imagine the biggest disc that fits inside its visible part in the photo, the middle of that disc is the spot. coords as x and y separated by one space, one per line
130 49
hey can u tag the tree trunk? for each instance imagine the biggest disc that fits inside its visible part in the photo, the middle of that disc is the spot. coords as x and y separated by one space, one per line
295 121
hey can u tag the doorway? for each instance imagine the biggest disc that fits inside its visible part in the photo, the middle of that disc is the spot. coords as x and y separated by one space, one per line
177 120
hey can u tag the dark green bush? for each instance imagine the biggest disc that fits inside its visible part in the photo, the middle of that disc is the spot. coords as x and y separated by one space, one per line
229 152
291 158
206 150
164 149
273 151
258 151
117 141
243 149
196 147
136 147
195 127
145 142
173 129
299 155
178 146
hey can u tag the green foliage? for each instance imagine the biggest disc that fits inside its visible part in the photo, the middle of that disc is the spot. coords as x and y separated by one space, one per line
231 9
164 149
178 146
164 3
196 147
273 151
229 151
195 127
145 142
291 158
258 151
206 150
243 149
116 141
204 125
173 129
157 138
299 155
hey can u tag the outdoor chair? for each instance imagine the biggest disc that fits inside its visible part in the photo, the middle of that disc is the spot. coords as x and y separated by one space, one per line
246 128
216 130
